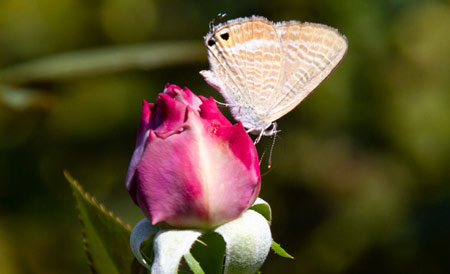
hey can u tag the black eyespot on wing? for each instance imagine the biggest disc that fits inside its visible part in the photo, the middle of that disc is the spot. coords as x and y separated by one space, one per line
211 42
225 36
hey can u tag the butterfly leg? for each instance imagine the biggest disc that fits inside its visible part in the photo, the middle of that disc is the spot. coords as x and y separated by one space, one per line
259 137
223 104
272 131
265 131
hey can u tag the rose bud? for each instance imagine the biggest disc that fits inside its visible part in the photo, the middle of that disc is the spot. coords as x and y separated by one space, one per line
191 167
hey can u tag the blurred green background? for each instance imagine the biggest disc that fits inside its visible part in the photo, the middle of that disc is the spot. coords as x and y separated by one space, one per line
360 177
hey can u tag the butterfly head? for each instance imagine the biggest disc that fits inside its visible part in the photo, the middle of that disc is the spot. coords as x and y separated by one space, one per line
225 34
215 36
210 40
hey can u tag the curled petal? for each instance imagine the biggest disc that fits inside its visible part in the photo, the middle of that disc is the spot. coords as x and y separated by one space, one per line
248 240
169 247
140 233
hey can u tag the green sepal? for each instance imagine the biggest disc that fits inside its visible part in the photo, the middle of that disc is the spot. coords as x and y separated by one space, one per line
209 250
193 264
280 251
263 208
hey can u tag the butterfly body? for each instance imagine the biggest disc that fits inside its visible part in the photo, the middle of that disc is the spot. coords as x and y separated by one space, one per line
264 70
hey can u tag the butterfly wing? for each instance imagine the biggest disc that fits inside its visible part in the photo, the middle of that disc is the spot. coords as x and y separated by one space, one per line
245 66
311 51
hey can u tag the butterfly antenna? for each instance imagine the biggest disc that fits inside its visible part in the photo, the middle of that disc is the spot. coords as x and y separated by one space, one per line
262 156
269 164
267 172
274 137
214 20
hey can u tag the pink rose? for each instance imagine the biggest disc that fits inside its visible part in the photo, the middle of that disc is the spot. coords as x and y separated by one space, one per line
191 167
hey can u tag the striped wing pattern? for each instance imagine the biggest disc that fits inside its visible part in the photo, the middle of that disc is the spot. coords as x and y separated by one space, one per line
264 70
311 51
246 61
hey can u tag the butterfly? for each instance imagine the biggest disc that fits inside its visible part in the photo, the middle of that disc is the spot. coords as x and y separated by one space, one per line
264 69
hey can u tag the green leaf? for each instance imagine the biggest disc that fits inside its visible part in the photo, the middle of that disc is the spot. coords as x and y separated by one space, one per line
105 60
263 208
209 250
280 251
21 98
193 264
106 238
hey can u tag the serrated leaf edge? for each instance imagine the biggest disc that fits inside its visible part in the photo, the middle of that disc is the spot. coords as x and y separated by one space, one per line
90 199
